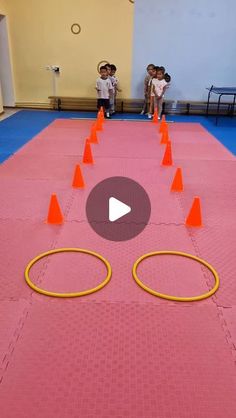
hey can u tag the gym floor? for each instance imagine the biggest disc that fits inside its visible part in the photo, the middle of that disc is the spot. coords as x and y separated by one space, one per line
120 352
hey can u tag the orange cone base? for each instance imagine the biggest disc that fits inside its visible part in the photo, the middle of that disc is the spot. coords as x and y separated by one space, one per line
167 159
165 137
194 218
78 181
99 125
163 127
55 216
177 185
155 117
87 157
93 139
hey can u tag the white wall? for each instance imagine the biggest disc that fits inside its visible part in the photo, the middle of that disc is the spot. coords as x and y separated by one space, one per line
194 39
6 77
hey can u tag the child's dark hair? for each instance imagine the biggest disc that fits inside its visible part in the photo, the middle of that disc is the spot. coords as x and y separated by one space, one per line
167 77
150 66
103 67
162 69
113 67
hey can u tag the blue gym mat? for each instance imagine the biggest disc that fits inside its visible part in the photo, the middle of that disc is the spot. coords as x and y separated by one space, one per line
21 127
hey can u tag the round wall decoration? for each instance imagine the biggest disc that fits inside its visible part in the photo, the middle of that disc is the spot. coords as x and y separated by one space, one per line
103 62
75 28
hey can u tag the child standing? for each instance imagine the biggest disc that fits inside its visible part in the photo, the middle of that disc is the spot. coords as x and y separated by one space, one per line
116 85
151 92
159 86
112 93
104 90
147 82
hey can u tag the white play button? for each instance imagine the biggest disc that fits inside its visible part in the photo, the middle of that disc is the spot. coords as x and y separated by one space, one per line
117 209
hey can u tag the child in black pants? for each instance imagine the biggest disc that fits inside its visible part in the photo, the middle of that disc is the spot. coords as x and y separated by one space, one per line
104 89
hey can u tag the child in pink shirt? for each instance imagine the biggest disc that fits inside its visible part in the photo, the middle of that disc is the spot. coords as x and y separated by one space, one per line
159 86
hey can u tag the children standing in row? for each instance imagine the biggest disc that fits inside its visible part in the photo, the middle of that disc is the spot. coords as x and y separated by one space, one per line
155 85
107 87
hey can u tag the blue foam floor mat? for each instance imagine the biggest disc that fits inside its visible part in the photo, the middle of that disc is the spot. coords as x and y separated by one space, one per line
21 127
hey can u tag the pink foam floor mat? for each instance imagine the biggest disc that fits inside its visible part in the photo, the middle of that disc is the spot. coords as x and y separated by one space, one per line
119 352
20 242
78 272
27 199
11 314
121 360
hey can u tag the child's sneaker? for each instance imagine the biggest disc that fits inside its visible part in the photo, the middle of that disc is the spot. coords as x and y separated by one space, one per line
142 113
108 115
149 116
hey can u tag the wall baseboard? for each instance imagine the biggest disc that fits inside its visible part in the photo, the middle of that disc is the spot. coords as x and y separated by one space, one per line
33 105
183 107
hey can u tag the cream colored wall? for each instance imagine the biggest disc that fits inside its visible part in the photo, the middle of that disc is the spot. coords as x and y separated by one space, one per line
2 7
2 12
40 35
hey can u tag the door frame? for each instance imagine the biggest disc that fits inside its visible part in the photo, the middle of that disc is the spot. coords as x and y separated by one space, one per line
6 71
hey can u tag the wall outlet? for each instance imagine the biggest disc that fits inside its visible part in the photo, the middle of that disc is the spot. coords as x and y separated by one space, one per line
54 68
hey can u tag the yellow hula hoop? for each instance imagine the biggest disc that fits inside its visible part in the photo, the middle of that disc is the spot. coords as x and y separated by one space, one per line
176 298
73 294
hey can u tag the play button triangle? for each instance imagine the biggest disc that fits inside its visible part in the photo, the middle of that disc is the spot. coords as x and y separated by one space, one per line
117 209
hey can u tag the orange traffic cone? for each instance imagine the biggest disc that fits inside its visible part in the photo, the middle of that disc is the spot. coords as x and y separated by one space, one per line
102 114
102 117
78 181
177 185
93 139
99 124
54 212
163 117
88 156
163 126
165 137
167 159
155 117
195 217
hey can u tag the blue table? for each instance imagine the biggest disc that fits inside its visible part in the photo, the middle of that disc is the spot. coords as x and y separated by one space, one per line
221 91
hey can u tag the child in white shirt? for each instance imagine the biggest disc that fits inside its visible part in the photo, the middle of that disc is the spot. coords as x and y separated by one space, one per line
104 89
